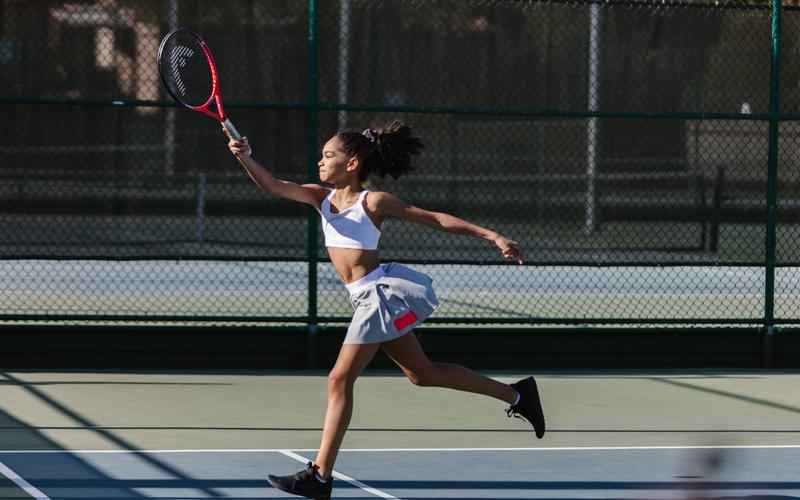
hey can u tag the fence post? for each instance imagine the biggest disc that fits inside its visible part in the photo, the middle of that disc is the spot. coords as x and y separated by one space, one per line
716 210
169 116
200 208
311 145
344 59
593 93
772 174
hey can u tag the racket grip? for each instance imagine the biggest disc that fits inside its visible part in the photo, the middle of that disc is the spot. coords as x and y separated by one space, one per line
231 129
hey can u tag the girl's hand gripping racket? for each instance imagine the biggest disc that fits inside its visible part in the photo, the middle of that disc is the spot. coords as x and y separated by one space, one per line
190 75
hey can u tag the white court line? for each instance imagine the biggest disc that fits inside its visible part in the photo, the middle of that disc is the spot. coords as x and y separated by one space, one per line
22 483
401 450
586 448
339 475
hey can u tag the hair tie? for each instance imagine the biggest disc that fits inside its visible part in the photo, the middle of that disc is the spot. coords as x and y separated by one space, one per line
370 134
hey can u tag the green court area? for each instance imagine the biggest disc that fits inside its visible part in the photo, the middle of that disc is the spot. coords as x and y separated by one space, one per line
230 409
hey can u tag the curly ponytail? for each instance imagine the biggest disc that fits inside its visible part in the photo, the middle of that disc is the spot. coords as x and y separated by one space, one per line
386 150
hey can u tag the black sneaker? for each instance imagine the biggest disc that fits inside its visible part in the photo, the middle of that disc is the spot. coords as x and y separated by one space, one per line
529 405
304 483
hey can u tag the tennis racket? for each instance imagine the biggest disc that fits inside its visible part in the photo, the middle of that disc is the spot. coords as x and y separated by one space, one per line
190 75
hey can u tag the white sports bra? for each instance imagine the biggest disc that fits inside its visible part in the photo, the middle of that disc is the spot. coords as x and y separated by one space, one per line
349 228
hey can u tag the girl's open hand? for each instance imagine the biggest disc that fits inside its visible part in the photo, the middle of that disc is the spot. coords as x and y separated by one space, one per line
509 248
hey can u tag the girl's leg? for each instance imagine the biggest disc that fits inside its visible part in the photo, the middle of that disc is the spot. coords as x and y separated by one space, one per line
352 360
409 356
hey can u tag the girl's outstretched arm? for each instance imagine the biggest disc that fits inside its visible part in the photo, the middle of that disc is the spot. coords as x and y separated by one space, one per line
312 194
389 205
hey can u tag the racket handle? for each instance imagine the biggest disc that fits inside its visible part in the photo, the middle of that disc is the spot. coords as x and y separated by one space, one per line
231 129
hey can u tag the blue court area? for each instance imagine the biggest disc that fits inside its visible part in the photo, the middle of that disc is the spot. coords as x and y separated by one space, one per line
563 473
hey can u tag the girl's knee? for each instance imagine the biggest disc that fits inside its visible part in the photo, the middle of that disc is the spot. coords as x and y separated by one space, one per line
339 381
426 377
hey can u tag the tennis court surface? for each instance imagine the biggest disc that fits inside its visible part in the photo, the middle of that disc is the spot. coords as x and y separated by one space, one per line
196 435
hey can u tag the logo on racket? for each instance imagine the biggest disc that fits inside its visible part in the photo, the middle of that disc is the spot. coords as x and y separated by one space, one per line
178 58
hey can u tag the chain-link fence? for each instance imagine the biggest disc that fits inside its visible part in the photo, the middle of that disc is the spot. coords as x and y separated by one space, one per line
643 153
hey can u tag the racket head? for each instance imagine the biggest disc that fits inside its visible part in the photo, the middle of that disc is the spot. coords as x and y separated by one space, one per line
189 73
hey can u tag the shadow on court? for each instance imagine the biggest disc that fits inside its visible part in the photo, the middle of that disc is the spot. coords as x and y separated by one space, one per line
17 435
66 475
729 394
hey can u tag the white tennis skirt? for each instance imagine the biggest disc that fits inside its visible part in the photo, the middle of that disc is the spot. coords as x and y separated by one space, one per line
389 302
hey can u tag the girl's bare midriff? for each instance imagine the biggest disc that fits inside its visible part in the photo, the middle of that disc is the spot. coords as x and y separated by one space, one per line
353 264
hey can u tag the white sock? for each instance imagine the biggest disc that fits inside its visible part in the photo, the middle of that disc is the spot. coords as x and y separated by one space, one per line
516 400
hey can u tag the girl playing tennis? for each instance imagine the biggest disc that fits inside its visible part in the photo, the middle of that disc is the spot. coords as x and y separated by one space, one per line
389 300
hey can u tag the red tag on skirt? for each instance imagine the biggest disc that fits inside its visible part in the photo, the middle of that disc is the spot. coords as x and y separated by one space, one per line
403 321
